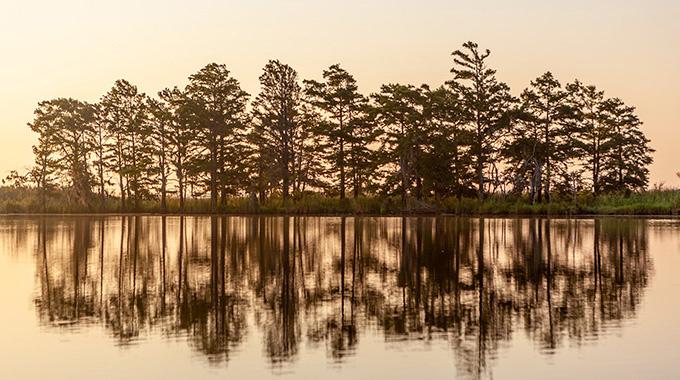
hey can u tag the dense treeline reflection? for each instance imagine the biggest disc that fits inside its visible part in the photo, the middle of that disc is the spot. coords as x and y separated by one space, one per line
325 283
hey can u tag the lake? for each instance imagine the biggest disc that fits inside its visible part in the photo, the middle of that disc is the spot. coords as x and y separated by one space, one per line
241 297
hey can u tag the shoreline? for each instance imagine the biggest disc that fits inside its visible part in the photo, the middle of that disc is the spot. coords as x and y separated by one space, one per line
368 215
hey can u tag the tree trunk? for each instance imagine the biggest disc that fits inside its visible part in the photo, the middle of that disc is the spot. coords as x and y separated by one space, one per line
213 175
480 177
122 192
102 190
342 167
180 180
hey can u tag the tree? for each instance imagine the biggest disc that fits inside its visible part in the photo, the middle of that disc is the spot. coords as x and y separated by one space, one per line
446 143
523 152
277 117
65 128
124 111
485 104
345 130
42 173
160 118
399 110
217 106
624 166
545 103
586 101
309 168
181 138
100 137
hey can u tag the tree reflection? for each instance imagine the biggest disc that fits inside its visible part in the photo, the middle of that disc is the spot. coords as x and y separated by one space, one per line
326 282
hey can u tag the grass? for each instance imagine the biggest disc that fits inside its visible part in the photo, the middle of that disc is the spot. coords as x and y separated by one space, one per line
653 202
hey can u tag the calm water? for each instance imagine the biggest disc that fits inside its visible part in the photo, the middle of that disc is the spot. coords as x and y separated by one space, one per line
334 297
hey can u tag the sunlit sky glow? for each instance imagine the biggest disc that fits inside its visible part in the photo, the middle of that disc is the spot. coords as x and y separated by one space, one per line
79 48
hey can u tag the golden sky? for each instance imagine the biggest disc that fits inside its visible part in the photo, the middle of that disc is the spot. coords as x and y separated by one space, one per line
74 48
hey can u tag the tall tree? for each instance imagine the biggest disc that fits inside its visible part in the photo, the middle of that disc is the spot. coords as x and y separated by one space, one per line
523 151
586 101
100 137
278 120
446 162
399 110
628 151
124 110
42 173
66 124
545 102
217 105
346 133
485 103
309 167
181 138
160 118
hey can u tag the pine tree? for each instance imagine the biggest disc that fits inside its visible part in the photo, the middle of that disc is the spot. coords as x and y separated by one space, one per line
446 162
553 118
46 163
485 103
160 119
592 134
624 166
124 110
100 137
399 111
278 122
345 131
217 105
181 138
65 126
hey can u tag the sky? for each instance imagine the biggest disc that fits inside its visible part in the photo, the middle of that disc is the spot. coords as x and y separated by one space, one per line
77 49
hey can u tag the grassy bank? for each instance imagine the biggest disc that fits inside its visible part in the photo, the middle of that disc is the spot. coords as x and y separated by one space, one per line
656 202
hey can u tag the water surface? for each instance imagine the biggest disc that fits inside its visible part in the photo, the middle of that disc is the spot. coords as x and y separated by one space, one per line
141 297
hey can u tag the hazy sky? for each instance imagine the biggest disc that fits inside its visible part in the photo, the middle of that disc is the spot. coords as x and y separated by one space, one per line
78 49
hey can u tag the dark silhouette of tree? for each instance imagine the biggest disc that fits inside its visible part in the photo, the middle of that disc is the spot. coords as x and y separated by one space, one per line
124 110
485 103
101 154
345 131
399 112
181 138
42 173
624 166
217 104
446 163
160 119
586 101
65 143
309 168
545 103
467 136
278 122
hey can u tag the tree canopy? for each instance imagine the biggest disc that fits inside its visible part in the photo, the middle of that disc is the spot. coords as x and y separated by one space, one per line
466 137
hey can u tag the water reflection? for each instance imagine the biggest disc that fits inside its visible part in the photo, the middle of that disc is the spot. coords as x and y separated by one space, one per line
327 282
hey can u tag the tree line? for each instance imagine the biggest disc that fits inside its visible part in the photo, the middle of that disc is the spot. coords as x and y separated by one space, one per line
469 137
